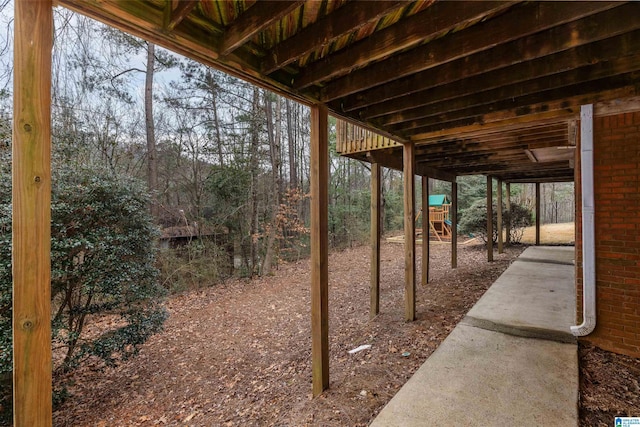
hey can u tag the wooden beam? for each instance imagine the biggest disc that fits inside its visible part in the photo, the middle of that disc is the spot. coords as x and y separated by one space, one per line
541 45
555 110
387 159
409 233
348 18
376 218
319 249
255 19
508 206
454 224
560 98
499 219
425 231
596 56
436 20
489 218
537 214
176 11
520 93
517 23
31 215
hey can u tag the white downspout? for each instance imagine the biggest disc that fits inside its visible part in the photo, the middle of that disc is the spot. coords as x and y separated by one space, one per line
588 225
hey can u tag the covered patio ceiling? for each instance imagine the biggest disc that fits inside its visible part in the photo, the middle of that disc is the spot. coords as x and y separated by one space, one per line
491 87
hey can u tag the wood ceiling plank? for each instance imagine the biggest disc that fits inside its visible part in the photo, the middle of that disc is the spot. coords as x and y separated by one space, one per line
350 17
517 23
176 11
562 97
569 36
411 31
255 19
566 108
516 94
613 48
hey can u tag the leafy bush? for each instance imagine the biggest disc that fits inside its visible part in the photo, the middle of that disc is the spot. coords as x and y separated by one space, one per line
102 264
474 221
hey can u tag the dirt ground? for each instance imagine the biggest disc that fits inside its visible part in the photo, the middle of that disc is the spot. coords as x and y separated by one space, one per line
238 354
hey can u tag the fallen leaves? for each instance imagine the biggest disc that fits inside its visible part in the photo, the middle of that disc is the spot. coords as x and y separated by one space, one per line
239 353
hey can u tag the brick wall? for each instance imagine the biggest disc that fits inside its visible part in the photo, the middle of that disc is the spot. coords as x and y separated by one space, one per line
617 216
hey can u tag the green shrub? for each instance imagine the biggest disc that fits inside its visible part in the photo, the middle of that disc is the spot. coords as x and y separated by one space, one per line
474 221
102 264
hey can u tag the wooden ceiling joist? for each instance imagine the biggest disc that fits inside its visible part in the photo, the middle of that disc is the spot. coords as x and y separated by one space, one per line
411 31
514 25
350 17
176 11
611 56
255 19
538 46
567 106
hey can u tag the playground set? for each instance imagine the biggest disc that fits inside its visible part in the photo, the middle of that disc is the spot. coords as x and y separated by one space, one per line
439 218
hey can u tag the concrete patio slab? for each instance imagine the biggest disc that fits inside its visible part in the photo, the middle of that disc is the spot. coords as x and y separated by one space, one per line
533 298
485 378
508 362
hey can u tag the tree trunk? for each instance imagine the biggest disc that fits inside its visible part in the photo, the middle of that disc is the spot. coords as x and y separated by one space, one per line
291 137
274 150
255 143
211 84
152 160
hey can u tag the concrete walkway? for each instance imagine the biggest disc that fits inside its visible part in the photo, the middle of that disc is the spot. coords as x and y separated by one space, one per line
511 361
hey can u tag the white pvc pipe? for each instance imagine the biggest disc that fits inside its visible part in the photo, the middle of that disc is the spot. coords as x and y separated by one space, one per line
588 225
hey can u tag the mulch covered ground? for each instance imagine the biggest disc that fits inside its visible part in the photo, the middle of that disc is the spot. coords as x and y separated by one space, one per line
238 354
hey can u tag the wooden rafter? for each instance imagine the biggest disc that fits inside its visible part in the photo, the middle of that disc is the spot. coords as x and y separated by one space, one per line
565 106
557 97
557 40
611 54
514 25
255 19
346 19
176 11
433 22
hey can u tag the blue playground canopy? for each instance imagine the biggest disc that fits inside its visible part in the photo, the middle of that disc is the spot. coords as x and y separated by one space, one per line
438 200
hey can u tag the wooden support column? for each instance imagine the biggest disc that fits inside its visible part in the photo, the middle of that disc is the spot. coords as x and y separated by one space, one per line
408 153
454 224
499 219
537 214
489 218
425 230
31 216
319 249
508 208
375 239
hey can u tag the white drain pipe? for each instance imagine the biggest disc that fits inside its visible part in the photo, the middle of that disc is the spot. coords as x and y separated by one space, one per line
588 225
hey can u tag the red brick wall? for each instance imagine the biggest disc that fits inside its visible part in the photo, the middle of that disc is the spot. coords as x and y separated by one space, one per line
617 216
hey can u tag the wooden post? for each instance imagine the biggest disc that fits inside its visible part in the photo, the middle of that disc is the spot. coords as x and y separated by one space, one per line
31 216
508 207
489 218
499 219
537 214
319 249
408 153
425 230
453 216
375 239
